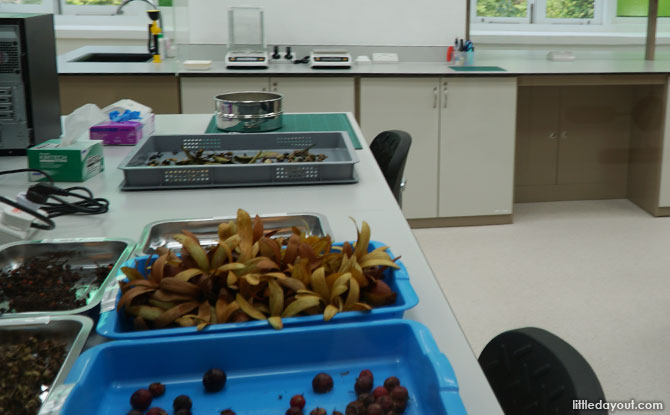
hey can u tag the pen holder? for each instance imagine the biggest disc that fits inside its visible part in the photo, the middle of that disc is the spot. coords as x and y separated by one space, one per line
469 57
463 58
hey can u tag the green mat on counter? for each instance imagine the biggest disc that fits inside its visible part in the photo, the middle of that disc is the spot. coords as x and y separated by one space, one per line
307 122
477 68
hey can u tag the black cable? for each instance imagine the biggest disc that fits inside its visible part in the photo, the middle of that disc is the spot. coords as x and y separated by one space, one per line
51 180
45 194
49 223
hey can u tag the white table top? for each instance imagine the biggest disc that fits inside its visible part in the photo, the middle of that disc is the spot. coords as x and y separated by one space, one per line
370 200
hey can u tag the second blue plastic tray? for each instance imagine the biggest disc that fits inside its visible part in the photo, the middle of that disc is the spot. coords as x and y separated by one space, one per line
114 325
265 368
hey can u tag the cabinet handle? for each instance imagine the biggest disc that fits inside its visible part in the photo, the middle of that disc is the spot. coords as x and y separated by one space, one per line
435 97
274 87
564 135
444 93
553 135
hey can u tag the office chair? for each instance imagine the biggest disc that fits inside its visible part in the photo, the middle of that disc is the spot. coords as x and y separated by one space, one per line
390 149
533 372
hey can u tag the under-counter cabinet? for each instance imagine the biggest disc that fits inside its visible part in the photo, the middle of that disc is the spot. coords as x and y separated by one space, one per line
301 94
572 142
160 92
460 167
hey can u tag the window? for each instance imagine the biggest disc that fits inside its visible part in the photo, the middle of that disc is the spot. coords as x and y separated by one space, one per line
640 8
80 7
538 11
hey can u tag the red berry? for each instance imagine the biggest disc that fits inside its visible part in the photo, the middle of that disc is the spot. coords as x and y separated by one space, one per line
366 398
337 412
379 391
135 412
386 403
156 411
391 382
400 394
375 409
182 411
141 399
322 383
214 380
399 406
363 384
298 400
294 410
318 411
157 389
228 412
366 372
355 408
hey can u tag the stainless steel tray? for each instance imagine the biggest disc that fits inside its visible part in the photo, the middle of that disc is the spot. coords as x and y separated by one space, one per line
87 253
71 330
160 233
337 168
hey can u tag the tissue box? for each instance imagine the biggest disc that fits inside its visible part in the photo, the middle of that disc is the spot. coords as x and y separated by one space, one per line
123 133
77 162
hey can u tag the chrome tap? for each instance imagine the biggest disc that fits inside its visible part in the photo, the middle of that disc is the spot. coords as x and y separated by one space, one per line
149 2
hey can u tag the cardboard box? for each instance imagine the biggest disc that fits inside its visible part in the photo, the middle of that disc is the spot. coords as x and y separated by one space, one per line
77 162
123 133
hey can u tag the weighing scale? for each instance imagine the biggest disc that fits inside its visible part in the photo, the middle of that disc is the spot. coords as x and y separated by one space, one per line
330 59
246 34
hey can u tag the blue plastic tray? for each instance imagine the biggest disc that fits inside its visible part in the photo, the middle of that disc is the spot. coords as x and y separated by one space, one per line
265 368
113 325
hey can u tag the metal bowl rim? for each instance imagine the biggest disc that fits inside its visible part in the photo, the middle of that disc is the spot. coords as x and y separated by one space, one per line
276 97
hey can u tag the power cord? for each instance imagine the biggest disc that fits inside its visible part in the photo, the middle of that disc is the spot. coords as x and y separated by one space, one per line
42 193
53 202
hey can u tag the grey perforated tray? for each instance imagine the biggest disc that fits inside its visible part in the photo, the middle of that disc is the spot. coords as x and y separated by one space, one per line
338 167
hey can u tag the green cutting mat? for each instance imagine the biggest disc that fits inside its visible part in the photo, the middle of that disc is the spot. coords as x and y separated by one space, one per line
477 68
308 122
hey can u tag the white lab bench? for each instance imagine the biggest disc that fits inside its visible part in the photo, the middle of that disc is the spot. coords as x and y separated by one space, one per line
370 199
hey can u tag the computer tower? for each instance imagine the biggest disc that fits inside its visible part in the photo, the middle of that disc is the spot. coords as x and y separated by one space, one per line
29 99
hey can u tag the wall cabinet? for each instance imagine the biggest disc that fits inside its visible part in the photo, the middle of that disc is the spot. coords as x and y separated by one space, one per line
461 162
572 142
304 94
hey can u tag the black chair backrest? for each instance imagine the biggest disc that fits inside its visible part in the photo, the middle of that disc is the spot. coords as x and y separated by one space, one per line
534 372
390 149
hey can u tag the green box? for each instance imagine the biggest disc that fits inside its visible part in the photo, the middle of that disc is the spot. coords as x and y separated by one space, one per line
77 162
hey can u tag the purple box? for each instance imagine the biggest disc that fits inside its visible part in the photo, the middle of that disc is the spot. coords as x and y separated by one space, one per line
117 133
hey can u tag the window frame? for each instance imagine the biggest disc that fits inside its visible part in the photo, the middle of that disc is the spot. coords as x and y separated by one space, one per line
536 14
45 6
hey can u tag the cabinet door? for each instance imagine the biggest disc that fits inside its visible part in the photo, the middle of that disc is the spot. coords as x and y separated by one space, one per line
408 104
309 94
197 94
594 138
537 134
477 146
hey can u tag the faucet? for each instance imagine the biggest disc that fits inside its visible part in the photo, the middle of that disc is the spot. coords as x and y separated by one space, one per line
151 3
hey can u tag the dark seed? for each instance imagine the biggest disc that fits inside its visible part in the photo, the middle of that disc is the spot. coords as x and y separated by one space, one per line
363 384
379 391
182 402
386 402
391 382
298 400
322 383
399 394
228 412
355 408
214 380
157 389
375 409
366 398
141 399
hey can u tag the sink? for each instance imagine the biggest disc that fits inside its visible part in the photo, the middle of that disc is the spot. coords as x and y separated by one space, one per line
114 57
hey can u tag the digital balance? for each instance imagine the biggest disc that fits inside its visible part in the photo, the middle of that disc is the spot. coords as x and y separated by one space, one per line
246 38
330 59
